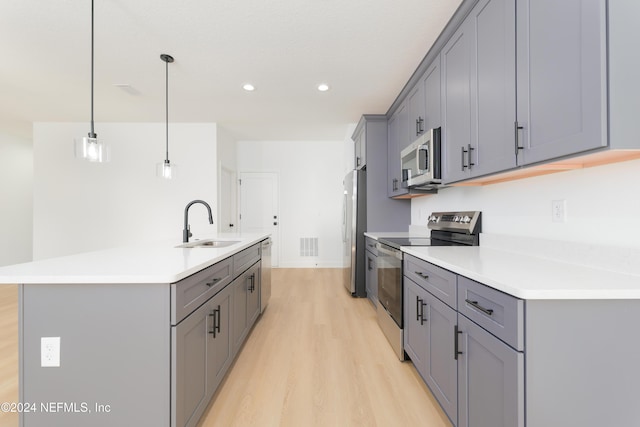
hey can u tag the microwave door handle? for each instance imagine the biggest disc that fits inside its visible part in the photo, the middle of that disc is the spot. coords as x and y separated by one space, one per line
425 165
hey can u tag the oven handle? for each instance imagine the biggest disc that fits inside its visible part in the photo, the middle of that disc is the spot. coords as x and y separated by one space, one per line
387 250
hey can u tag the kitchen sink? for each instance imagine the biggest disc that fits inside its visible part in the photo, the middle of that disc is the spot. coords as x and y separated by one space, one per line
209 243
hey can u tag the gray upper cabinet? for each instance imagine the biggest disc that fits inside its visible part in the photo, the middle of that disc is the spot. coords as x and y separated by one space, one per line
494 86
432 89
416 111
398 138
383 213
501 110
456 104
562 78
479 93
360 147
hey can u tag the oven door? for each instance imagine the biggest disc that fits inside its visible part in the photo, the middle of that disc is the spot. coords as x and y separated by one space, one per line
390 281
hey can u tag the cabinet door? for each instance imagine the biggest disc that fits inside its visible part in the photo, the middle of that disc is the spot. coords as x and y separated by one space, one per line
490 379
219 339
431 84
561 77
189 368
397 140
239 315
371 278
493 86
253 294
456 104
415 325
415 105
360 148
441 365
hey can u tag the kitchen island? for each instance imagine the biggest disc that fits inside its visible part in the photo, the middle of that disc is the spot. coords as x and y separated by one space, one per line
132 336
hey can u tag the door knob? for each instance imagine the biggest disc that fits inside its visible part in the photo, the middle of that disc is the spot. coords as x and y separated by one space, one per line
275 223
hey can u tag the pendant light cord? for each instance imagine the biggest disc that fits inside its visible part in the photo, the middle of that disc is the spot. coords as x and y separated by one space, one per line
92 134
167 107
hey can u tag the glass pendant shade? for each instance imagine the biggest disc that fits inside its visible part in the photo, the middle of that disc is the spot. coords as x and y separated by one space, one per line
91 149
166 170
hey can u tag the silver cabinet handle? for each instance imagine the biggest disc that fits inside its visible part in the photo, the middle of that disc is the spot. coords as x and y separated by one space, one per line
469 156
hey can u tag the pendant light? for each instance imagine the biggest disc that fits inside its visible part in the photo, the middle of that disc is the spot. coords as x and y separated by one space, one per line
89 147
166 169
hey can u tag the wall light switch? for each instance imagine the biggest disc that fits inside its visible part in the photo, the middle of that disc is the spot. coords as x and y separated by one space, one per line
50 352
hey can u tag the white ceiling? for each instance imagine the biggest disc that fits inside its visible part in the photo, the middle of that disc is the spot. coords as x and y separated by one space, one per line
364 49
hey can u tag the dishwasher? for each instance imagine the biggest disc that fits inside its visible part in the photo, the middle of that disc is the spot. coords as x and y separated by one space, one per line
265 277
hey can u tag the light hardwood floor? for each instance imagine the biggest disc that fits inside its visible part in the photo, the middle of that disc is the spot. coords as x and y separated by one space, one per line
316 357
8 351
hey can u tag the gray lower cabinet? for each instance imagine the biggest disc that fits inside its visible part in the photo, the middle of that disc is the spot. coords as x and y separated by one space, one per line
371 274
428 341
490 379
441 367
415 328
200 355
499 361
246 304
477 379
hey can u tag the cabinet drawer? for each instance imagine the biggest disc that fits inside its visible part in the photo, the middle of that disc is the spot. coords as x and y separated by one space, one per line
245 259
370 245
438 281
497 312
188 294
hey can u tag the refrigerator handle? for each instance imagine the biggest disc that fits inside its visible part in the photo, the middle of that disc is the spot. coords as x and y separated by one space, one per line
344 218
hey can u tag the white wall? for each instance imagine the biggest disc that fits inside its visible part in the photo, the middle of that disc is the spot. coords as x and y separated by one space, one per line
80 206
310 175
16 199
603 205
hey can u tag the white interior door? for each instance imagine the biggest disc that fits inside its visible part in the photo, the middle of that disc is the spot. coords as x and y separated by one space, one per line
228 205
259 207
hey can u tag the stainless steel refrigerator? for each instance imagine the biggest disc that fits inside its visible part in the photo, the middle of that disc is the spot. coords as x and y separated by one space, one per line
354 224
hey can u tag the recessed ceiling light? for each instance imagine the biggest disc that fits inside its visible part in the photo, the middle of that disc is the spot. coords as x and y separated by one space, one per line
248 87
323 87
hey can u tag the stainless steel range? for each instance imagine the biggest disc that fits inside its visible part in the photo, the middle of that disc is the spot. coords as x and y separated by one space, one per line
447 229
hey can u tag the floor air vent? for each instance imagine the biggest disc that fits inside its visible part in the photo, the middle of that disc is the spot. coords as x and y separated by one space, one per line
308 246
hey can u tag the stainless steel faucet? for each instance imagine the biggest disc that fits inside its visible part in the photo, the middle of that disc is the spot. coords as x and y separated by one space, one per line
186 233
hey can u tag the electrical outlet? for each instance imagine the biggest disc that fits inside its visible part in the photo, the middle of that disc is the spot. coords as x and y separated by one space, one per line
559 210
50 352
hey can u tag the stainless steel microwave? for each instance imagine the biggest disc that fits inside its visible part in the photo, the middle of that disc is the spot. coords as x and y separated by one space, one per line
421 161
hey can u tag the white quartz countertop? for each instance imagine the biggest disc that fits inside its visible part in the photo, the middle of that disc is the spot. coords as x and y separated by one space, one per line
156 262
382 234
530 277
